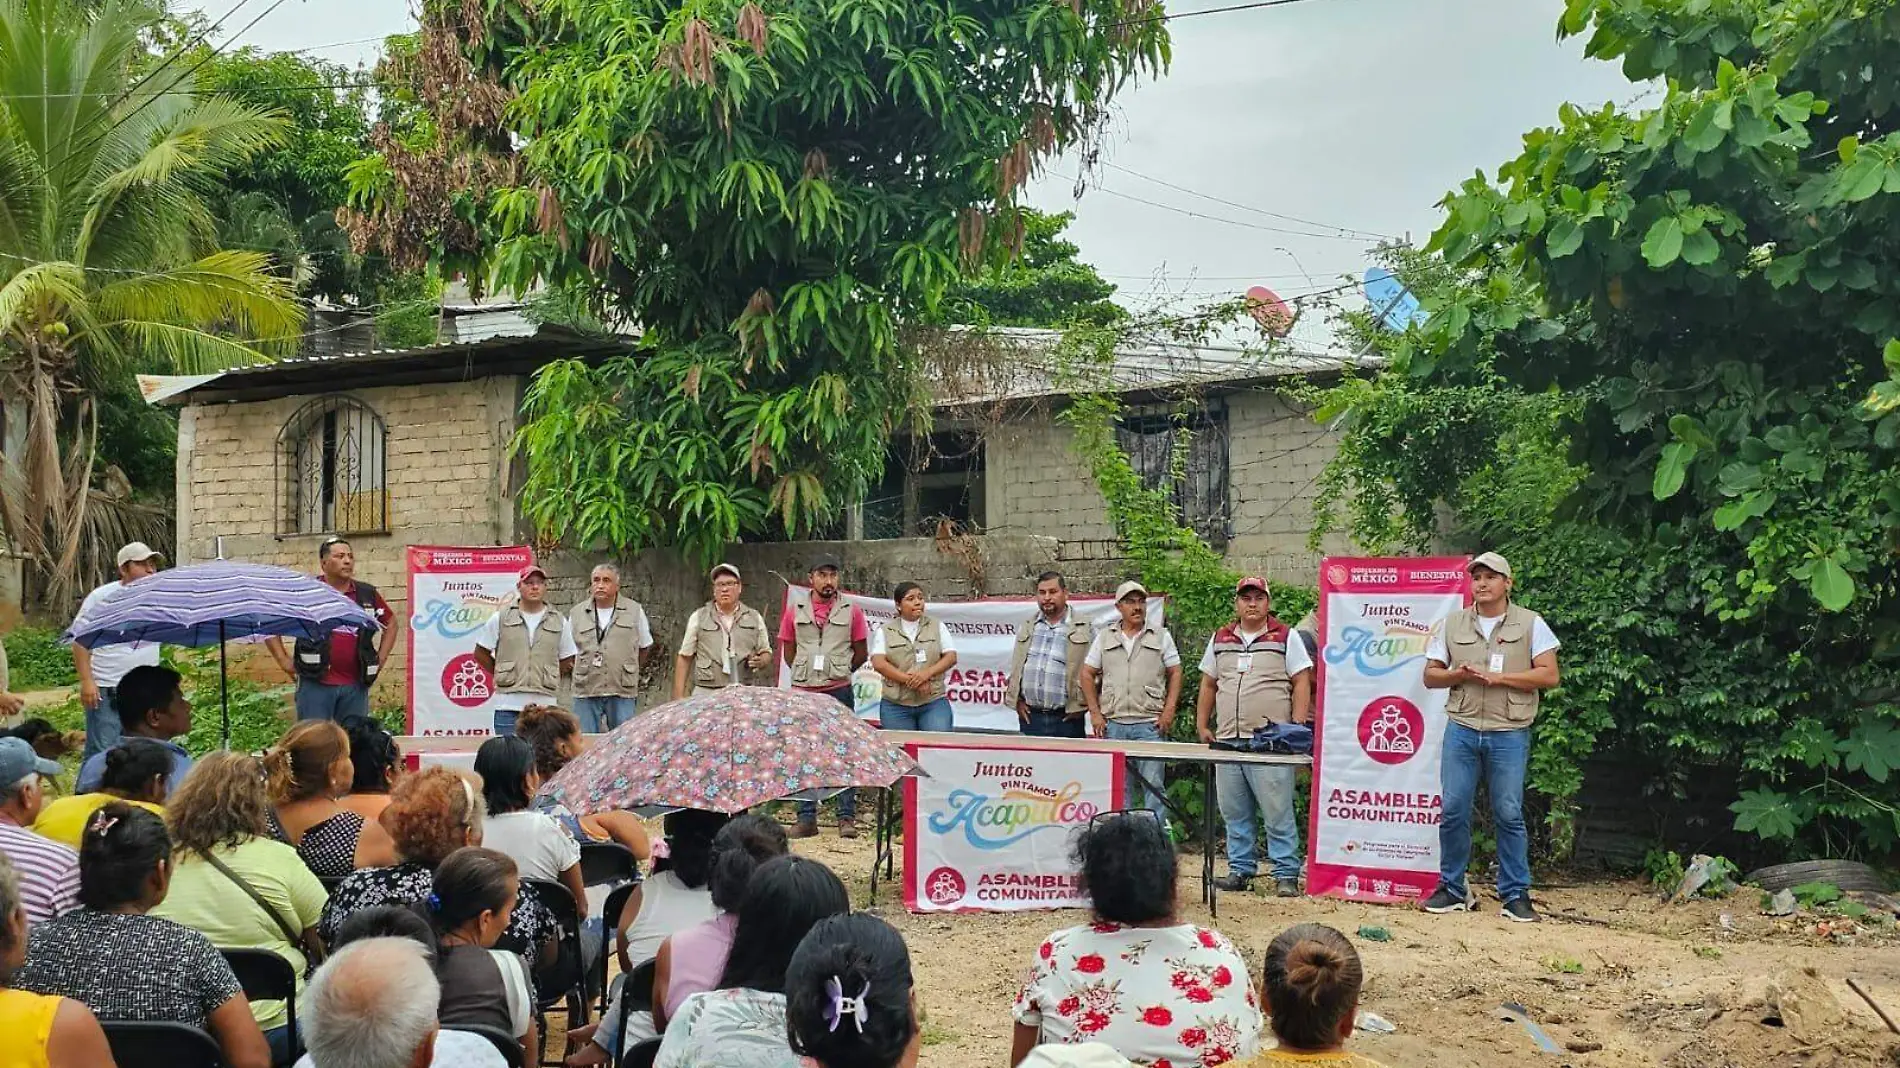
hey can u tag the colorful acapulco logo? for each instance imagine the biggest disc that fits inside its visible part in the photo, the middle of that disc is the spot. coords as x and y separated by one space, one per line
996 822
1373 653
453 619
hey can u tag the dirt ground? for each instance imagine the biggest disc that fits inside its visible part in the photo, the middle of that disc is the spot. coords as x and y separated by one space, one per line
1614 973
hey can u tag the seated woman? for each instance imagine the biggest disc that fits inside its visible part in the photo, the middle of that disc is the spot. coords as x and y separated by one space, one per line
127 965
913 659
310 771
1312 983
376 761
36 1030
475 893
692 961
537 845
225 861
138 770
742 1024
849 1000
1111 981
556 737
431 814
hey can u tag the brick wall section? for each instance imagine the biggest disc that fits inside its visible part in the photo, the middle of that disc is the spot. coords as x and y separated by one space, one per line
447 477
1036 486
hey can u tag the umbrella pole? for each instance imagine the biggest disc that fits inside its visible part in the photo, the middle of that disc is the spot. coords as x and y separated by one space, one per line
224 690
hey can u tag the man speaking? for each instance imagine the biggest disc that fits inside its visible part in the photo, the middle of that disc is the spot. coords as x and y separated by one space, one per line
1496 658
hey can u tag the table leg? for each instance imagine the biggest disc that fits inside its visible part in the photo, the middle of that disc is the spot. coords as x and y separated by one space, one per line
878 842
1207 840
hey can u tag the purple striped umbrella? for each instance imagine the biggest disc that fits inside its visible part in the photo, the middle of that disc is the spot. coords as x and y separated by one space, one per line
212 603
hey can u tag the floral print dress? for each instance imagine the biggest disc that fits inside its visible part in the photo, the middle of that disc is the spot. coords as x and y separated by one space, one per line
1163 997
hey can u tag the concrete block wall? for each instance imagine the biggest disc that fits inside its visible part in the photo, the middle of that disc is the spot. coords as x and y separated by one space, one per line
1036 486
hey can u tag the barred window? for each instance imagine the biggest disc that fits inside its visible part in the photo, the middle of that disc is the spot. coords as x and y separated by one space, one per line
1151 437
332 459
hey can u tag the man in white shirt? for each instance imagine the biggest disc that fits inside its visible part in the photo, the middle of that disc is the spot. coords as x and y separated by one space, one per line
1496 658
101 669
1131 681
1255 672
525 658
725 641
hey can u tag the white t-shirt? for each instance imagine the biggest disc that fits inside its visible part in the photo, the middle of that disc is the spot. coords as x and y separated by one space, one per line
453 1049
1542 640
1170 656
910 628
111 662
604 618
537 844
515 700
1297 659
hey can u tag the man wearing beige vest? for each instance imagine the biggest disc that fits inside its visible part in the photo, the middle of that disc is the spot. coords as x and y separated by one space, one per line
613 641
1255 672
1045 681
526 648
825 641
1495 657
1131 681
725 642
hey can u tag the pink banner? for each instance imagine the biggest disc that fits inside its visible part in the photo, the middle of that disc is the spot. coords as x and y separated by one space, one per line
1376 804
452 592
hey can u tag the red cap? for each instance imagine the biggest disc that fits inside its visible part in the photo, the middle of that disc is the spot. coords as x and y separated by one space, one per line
1252 582
531 569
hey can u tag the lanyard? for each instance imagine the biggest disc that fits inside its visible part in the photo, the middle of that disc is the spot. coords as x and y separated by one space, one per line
600 632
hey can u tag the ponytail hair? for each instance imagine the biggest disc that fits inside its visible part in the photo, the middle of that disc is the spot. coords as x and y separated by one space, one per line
737 851
1312 984
471 881
299 765
122 845
848 994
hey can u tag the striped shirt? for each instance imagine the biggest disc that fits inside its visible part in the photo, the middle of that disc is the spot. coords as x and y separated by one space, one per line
48 871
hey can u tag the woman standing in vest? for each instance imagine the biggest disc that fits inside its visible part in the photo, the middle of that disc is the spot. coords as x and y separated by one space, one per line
825 640
1131 680
1255 672
1495 657
725 642
526 658
613 641
913 653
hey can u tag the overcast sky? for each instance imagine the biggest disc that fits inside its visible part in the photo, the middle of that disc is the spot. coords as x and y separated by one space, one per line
1358 114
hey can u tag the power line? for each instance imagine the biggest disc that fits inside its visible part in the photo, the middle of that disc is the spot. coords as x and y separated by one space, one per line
1176 16
1210 218
1343 230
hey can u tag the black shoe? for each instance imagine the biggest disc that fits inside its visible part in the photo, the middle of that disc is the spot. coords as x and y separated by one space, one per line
1442 901
1286 888
1519 909
1234 884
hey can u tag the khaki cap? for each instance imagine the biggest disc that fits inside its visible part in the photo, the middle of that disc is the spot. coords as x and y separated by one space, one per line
1129 588
1493 561
725 569
138 552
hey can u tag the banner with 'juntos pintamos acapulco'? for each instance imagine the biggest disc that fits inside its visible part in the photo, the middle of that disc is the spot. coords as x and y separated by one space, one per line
1376 802
452 592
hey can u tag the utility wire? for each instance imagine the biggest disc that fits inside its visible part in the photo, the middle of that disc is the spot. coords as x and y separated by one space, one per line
1343 230
1176 16
1190 213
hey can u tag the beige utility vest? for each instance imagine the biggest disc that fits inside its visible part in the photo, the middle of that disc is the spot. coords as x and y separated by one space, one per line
832 641
1081 634
903 652
1134 680
1245 701
1490 708
710 662
523 666
618 648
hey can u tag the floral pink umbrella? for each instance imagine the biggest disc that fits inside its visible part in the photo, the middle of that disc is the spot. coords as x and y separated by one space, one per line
728 751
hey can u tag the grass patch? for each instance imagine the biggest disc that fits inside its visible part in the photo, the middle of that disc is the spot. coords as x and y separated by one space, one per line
36 660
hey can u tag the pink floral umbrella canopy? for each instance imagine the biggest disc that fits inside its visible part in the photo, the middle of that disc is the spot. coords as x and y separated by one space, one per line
728 751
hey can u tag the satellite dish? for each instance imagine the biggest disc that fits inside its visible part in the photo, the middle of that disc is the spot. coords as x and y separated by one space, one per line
1393 305
1270 311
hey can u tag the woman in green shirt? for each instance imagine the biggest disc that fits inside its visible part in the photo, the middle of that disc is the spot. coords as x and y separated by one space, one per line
221 816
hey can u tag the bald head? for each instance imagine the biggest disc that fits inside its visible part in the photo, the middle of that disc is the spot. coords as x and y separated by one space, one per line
372 1005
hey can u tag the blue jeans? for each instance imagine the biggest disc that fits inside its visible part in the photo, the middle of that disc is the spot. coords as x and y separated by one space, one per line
1243 787
1054 725
930 716
279 1041
316 700
102 724
1151 770
505 721
848 799
1502 758
598 715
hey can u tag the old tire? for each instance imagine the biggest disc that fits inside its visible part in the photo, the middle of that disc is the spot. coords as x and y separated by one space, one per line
1841 874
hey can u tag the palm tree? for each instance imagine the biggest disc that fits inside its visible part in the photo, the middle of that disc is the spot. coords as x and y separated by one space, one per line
109 262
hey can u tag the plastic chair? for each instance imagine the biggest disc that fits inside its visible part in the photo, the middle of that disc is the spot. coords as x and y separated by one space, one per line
508 1045
161 1044
642 1055
563 983
265 976
611 913
608 862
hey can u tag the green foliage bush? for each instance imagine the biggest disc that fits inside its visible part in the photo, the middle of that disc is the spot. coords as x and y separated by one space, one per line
36 660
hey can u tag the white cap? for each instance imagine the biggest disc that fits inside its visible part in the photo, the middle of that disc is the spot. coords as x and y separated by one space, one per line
1083 1055
137 552
1129 587
725 569
1493 561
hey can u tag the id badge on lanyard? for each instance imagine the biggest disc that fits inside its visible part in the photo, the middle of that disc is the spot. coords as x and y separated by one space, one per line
1497 663
1244 663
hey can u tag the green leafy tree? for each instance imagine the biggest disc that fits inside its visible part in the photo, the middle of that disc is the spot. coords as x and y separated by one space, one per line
108 258
1045 285
1677 326
767 193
